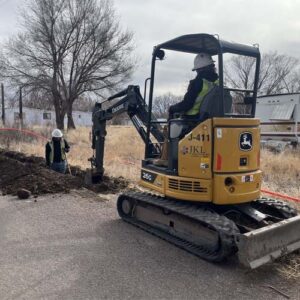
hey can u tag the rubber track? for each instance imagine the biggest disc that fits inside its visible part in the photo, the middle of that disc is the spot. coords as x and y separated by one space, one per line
286 210
226 229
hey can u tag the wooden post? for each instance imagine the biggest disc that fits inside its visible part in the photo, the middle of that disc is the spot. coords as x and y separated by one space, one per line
3 104
21 109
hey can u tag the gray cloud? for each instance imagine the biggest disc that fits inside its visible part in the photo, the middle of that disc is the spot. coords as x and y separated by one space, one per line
273 24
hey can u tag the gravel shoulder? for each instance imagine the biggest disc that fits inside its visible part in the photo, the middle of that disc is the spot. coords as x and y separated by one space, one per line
74 246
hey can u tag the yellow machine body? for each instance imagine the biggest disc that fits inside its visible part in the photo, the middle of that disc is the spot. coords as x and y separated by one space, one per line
212 165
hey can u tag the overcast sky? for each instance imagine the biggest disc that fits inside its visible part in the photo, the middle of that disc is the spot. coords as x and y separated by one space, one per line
273 24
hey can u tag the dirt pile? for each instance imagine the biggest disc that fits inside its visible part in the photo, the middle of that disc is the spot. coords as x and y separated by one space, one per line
28 172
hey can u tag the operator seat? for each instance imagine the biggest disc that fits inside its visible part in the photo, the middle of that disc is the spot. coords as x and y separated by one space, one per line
210 108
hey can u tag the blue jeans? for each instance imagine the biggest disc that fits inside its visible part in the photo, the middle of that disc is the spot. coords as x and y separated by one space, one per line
59 167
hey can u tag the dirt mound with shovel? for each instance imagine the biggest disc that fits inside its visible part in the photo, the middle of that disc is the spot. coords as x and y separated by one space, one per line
19 171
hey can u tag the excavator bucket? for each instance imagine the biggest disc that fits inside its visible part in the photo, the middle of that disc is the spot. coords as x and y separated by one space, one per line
92 177
268 243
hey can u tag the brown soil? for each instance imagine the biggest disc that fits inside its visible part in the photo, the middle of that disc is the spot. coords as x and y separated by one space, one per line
29 172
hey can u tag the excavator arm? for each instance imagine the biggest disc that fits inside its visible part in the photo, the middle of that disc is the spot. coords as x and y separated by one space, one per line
134 105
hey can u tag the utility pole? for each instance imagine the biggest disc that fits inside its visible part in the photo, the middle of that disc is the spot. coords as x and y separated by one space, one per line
21 108
3 104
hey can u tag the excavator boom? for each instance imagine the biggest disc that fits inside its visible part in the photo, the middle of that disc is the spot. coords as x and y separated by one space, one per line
131 103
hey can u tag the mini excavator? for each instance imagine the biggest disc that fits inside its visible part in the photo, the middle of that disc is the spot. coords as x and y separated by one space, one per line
206 199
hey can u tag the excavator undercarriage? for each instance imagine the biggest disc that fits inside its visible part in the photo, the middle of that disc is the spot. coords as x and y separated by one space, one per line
213 232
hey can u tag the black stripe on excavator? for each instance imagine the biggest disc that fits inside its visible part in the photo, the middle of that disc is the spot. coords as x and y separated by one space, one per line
148 176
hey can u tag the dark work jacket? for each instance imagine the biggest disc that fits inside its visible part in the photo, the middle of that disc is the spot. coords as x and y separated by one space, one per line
194 88
57 151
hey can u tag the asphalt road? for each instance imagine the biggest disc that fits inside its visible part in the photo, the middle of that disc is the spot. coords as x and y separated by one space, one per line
74 247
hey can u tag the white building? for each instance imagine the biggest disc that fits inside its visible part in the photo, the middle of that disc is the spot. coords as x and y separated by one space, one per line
280 118
32 116
280 107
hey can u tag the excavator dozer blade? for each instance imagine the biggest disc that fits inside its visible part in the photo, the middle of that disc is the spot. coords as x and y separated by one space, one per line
268 243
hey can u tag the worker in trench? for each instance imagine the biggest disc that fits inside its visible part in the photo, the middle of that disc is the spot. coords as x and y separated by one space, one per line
56 150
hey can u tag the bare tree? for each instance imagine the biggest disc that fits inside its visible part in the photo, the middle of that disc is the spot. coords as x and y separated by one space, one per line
275 72
162 103
39 99
12 99
84 103
292 83
69 48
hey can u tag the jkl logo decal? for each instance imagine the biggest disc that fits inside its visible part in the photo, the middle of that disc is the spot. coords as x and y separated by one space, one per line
193 150
246 141
185 150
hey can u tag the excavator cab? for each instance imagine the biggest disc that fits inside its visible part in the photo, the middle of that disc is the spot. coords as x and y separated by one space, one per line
206 199
217 105
218 150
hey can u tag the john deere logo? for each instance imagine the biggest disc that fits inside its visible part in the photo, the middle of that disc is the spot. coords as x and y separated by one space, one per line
246 141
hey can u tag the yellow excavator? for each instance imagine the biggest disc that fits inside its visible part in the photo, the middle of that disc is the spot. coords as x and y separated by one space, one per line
206 199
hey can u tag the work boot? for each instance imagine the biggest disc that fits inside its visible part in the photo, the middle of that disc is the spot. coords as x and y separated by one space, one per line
163 160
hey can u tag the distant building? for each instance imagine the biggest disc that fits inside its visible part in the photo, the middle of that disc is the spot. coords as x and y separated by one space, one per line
32 116
279 107
280 118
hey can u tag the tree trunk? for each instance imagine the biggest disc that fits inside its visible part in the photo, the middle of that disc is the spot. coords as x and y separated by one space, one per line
60 121
59 111
71 124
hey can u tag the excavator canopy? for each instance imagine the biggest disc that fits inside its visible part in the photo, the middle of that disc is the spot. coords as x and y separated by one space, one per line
201 42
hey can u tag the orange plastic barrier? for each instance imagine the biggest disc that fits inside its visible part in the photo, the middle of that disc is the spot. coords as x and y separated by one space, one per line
281 195
25 131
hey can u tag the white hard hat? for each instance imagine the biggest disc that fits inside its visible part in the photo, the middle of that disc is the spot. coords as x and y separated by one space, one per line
57 133
202 60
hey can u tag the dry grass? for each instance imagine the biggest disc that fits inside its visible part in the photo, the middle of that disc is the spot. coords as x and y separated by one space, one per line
281 173
289 266
123 149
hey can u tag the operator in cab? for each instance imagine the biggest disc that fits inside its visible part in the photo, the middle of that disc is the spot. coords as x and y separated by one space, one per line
198 88
189 107
56 150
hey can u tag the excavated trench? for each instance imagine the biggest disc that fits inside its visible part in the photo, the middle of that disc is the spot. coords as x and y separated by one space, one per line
19 171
